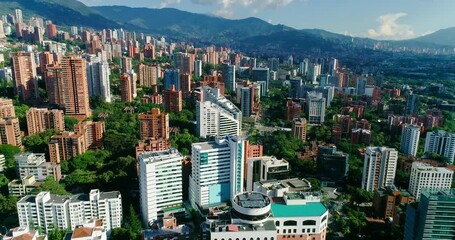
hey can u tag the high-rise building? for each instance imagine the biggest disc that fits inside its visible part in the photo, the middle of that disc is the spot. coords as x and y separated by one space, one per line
10 132
217 171
315 108
98 73
154 124
265 168
6 108
148 75
19 18
216 116
66 145
261 75
379 167
126 64
198 68
93 133
442 143
412 104
35 164
361 85
49 211
314 70
160 184
126 94
433 218
332 164
171 77
425 176
247 100
42 119
228 76
2 163
172 100
51 30
410 139
75 90
185 82
299 126
273 64
25 79
53 77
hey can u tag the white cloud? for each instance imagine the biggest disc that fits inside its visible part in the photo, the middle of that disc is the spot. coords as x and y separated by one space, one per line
165 3
389 28
226 6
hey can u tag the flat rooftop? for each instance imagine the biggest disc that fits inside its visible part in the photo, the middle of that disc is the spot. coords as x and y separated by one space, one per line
252 200
310 209
204 146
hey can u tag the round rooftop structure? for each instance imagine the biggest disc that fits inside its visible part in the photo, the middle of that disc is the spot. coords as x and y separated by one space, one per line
251 207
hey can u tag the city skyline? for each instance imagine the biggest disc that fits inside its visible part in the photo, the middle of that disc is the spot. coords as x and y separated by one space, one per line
383 20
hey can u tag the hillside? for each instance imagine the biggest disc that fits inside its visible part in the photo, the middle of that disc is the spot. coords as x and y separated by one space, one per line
442 37
61 12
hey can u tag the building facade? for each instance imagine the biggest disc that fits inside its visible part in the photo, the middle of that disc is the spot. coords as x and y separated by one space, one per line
217 171
379 168
25 78
410 139
425 176
160 184
315 108
50 211
43 119
442 143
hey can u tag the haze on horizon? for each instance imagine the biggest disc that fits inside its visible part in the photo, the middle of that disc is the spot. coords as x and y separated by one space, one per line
385 19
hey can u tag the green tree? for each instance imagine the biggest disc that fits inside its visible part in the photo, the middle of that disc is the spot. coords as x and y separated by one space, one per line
69 123
182 141
9 151
52 186
56 234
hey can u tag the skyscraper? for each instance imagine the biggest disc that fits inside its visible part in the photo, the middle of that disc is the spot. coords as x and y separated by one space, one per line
247 100
412 104
98 73
25 79
126 64
379 167
160 183
425 176
315 107
216 116
125 88
442 143
75 90
10 132
361 85
154 124
217 171
172 100
228 76
42 119
433 218
198 68
19 18
299 126
273 64
410 139
148 75
171 77
261 75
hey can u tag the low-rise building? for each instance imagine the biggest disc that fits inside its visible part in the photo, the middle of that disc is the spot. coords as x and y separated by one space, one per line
35 164
23 187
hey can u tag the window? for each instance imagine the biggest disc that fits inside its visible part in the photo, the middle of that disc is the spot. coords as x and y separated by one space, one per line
309 222
277 223
290 223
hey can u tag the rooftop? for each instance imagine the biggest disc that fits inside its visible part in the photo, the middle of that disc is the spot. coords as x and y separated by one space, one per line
252 200
227 227
280 209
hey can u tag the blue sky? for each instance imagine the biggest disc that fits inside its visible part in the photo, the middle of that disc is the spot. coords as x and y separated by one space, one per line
379 19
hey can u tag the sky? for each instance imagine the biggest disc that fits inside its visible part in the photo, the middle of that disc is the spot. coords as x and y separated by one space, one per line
377 19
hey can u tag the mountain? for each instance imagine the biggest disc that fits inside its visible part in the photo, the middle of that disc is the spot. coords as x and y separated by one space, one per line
444 37
177 23
61 12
